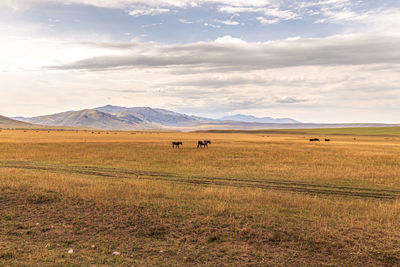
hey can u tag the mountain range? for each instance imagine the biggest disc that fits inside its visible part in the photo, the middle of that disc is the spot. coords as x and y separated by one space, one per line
249 118
121 118
142 118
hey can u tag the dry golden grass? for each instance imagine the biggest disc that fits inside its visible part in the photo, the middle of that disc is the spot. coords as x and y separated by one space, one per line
367 161
248 199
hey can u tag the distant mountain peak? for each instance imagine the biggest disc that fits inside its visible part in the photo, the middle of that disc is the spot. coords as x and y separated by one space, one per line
118 118
251 118
124 118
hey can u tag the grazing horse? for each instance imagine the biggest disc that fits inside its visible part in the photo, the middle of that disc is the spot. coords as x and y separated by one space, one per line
203 143
177 144
327 140
314 139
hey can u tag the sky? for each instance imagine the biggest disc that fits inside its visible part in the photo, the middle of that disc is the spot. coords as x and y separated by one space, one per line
323 61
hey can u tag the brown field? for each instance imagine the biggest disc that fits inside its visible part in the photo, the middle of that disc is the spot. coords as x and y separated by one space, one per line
258 199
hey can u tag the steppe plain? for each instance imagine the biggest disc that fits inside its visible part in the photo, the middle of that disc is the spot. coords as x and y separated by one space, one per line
260 198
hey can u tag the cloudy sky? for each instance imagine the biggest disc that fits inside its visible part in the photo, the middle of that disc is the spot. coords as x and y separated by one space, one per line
313 60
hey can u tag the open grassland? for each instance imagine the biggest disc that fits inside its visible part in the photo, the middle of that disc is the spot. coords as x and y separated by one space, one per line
373 131
249 199
363 131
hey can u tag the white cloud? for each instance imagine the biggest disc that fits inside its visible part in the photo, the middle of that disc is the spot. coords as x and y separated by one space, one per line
229 53
281 14
344 15
353 15
229 40
373 20
130 3
335 3
148 11
272 12
212 25
230 21
265 21
184 21
21 52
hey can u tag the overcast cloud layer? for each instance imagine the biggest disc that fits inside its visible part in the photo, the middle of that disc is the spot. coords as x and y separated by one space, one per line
314 61
229 54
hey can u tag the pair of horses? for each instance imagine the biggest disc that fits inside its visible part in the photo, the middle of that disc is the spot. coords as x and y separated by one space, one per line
200 144
316 139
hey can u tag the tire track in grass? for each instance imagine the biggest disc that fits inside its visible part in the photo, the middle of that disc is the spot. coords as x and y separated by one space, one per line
279 185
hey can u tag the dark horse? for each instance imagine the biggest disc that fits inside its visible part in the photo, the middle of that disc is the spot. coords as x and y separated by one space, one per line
314 139
177 144
203 143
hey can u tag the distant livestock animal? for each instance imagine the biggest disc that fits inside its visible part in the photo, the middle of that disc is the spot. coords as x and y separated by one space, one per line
327 140
176 144
203 143
314 139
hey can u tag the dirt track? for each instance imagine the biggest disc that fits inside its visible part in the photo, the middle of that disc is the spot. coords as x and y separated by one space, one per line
281 185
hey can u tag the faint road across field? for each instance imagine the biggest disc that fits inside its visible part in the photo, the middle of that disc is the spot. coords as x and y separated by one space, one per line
268 184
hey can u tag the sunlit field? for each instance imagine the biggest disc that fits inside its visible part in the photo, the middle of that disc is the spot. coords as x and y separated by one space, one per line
260 198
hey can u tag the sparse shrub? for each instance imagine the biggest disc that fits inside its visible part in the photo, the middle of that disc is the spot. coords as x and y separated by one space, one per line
275 237
157 232
42 198
214 238
7 255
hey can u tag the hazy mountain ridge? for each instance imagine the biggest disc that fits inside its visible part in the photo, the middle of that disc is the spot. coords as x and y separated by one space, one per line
116 118
250 118
89 118
6 122
159 116
122 118
142 118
